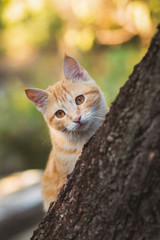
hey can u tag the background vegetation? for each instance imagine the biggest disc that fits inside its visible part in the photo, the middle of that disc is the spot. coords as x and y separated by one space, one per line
108 37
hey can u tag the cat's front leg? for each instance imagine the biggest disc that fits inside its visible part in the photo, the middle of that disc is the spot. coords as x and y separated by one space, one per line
51 185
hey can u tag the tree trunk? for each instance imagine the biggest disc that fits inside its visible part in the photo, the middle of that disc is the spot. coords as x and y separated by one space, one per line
114 191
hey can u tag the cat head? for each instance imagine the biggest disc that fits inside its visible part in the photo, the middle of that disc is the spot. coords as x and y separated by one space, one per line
74 105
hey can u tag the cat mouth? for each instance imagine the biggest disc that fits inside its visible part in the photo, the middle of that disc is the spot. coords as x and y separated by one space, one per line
77 127
79 124
82 127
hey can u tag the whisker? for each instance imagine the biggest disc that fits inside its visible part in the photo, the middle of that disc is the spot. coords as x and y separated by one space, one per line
46 140
98 118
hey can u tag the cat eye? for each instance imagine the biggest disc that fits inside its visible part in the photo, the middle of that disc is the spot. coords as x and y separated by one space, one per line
60 114
79 100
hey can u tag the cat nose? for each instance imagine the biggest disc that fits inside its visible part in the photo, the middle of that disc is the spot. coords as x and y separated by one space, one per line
77 120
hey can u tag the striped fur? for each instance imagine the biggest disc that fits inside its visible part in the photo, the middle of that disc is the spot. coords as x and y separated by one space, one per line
68 136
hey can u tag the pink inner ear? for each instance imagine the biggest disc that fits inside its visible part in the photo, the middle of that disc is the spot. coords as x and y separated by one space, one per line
38 97
71 68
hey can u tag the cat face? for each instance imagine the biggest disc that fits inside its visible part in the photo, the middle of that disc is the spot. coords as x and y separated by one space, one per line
74 105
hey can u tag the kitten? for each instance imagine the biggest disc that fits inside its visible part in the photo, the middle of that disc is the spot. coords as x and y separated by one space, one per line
74 108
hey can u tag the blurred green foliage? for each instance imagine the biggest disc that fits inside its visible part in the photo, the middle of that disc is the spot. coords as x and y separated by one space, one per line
107 37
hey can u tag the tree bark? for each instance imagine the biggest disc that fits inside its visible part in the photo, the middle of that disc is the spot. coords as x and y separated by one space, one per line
114 191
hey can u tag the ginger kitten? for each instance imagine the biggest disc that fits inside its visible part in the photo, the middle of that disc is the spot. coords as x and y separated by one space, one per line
74 108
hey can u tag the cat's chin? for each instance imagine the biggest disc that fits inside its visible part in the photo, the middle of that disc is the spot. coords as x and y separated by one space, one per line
82 127
85 129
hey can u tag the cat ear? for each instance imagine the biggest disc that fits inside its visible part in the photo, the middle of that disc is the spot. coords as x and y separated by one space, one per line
38 97
73 71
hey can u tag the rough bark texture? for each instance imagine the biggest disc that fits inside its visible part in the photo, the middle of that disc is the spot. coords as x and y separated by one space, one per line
114 190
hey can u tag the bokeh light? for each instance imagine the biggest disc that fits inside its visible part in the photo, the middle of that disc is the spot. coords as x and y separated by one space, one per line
107 37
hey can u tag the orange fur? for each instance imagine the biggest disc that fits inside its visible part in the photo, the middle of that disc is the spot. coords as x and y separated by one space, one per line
67 134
